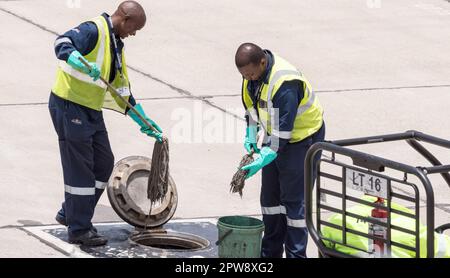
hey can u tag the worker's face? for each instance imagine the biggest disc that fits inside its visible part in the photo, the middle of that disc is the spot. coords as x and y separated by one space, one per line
129 27
253 71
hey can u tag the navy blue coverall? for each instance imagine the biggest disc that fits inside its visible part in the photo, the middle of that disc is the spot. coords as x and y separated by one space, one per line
86 156
282 190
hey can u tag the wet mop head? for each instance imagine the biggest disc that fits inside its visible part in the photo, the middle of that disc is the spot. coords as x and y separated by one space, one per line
238 181
158 181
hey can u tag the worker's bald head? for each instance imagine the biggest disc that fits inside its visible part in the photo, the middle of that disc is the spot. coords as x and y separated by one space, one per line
128 18
248 53
250 60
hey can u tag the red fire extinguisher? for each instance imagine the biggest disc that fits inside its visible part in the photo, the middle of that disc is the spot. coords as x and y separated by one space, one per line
376 246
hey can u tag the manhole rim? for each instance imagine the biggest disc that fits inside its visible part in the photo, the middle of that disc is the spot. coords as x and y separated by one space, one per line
171 234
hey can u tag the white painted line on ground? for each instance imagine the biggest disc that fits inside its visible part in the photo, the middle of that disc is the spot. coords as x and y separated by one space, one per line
71 250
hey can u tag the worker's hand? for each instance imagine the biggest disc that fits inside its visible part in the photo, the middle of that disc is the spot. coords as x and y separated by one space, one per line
95 72
74 61
266 156
147 130
144 127
157 135
250 142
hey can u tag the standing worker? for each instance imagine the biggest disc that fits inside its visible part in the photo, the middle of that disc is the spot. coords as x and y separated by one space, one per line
75 106
278 98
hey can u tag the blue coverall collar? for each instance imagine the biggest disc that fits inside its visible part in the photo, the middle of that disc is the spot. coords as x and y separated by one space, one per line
109 20
265 76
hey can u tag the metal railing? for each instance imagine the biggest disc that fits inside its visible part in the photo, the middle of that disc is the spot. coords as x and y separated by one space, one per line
373 166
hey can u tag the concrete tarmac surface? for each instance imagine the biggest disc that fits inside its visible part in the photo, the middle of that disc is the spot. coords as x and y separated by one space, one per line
377 66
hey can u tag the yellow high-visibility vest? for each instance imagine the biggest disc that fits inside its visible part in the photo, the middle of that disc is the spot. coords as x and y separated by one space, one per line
309 117
79 87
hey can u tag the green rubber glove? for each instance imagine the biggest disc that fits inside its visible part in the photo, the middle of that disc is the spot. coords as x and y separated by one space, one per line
266 155
74 62
144 128
250 139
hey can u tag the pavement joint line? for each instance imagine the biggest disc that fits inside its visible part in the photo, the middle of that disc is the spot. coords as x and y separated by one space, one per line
202 98
11 227
29 21
140 99
38 225
384 88
173 87
424 206
176 219
185 92
215 217
23 104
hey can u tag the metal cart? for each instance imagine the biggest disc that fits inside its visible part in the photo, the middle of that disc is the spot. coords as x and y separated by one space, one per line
371 175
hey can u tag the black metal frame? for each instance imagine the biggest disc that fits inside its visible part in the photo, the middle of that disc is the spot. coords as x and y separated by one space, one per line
378 164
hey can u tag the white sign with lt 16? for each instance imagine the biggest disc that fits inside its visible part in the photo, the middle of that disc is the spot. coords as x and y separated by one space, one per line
370 184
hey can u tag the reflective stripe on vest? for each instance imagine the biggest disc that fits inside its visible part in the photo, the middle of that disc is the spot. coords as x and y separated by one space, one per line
123 88
79 75
99 60
309 113
282 134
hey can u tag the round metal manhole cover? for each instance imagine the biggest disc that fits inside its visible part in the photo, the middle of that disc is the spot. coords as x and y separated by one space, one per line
127 193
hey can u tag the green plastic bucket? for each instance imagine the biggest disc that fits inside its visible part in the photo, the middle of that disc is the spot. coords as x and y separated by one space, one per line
239 237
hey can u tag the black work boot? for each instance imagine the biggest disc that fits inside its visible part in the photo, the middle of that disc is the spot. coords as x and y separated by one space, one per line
61 219
89 238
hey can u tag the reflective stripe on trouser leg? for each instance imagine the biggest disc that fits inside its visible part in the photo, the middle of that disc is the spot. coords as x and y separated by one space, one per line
99 188
274 217
80 185
103 161
75 126
290 165
297 234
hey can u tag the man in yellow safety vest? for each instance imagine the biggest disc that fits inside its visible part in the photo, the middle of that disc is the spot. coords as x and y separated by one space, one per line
76 103
279 99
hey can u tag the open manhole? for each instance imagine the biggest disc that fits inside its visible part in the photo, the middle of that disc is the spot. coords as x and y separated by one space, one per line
127 193
173 241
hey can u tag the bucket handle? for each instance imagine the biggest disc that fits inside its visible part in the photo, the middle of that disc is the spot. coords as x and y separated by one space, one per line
219 241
